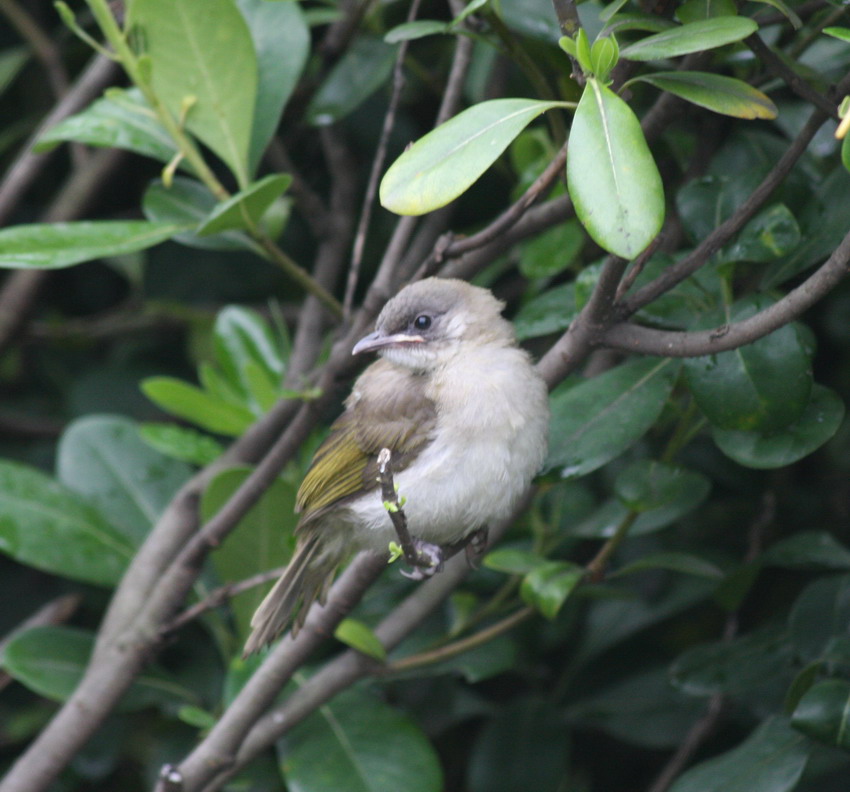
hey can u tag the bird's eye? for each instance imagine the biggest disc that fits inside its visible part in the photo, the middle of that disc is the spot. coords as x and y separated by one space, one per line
422 322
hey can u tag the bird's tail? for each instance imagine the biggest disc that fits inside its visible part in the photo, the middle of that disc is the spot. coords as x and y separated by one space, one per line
306 579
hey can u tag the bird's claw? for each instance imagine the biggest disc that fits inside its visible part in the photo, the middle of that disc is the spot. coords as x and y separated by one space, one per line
476 544
429 560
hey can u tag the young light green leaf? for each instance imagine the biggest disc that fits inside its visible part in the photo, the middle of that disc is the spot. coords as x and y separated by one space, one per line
364 68
282 44
358 743
693 37
45 525
819 422
447 161
603 56
103 459
612 178
598 419
841 33
50 661
203 49
122 119
199 407
361 637
245 209
57 245
715 92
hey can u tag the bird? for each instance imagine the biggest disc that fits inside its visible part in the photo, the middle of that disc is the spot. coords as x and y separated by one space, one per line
465 417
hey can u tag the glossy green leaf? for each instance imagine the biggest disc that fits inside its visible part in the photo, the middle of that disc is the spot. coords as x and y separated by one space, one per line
513 561
824 713
553 251
597 420
693 37
245 209
359 744
715 92
761 387
696 10
196 406
523 746
808 550
104 460
841 33
122 119
263 539
550 312
447 161
361 637
362 70
736 666
611 176
281 40
57 245
765 450
771 234
180 442
548 586
621 23
48 526
188 203
802 682
771 759
419 28
685 563
51 661
819 616
201 52
646 484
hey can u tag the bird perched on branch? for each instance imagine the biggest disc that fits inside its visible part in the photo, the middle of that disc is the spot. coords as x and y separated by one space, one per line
465 417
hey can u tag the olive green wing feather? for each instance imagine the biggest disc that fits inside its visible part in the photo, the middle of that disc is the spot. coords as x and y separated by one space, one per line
388 409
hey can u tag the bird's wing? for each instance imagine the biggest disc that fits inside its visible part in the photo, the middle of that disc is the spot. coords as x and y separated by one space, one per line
388 409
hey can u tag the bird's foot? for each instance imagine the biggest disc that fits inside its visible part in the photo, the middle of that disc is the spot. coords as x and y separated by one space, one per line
429 559
476 544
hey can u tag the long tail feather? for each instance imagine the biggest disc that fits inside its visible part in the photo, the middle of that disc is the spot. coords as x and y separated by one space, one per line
304 580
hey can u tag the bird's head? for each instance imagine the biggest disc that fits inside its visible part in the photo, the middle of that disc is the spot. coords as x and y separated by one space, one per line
430 322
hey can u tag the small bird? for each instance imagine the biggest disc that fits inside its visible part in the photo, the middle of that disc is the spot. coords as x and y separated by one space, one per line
465 417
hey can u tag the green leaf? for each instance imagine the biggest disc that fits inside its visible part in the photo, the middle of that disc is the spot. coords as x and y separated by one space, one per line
104 460
786 11
245 209
696 10
47 526
282 44
714 92
553 251
547 586
471 7
824 713
808 550
734 667
761 387
202 50
361 637
598 419
180 442
122 119
365 67
550 312
820 616
611 176
263 539
513 561
12 60
188 203
771 759
845 152
693 37
820 420
359 744
524 746
417 29
771 234
685 563
196 406
197 717
51 661
841 33
448 160
57 245
646 484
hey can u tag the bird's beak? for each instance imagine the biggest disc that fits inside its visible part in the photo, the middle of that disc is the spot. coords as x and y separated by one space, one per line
378 340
